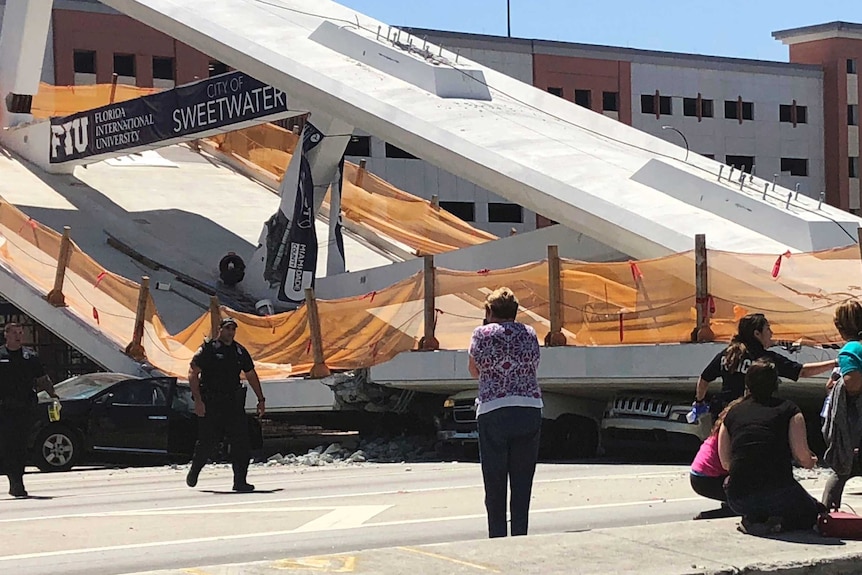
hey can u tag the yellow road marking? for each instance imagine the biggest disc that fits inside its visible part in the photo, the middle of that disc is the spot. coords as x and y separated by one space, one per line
334 564
195 572
450 559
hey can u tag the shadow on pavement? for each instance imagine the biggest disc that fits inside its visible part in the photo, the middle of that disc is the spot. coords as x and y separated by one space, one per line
803 537
231 492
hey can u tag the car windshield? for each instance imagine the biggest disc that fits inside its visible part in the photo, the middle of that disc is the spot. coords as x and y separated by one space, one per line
85 386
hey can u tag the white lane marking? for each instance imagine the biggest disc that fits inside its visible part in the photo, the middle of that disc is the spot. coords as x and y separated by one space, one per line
348 511
310 498
264 534
343 518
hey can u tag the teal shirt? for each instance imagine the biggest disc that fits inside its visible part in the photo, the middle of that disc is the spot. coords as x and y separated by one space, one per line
850 357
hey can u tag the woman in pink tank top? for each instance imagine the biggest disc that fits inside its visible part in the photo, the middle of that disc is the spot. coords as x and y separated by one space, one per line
707 475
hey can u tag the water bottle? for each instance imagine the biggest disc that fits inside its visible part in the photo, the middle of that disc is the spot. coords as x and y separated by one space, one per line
54 410
697 409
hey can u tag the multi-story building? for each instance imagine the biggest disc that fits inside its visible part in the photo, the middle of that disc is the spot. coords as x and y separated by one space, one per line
836 48
796 122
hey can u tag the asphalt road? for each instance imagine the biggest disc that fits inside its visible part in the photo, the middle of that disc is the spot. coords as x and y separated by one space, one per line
103 521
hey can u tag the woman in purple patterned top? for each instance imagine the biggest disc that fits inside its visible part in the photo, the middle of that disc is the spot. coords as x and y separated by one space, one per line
504 357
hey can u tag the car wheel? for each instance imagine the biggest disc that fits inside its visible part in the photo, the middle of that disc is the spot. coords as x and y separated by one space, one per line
57 448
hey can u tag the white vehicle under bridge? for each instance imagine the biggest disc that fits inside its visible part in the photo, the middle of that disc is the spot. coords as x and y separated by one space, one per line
598 399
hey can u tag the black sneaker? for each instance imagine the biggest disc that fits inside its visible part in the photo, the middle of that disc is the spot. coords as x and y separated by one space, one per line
192 477
760 529
243 487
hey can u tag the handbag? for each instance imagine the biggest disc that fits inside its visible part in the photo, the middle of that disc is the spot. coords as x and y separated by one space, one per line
840 524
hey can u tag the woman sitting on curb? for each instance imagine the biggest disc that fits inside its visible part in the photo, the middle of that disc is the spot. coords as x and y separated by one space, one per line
757 443
707 474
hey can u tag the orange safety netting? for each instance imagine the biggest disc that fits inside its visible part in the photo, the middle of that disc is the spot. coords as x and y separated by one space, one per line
366 199
52 101
645 302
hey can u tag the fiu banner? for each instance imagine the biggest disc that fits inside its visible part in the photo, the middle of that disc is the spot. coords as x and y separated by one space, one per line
191 109
302 235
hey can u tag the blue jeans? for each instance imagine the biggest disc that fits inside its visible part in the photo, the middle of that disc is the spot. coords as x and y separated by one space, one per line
796 508
508 450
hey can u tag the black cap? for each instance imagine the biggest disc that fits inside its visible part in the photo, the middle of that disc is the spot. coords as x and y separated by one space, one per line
227 321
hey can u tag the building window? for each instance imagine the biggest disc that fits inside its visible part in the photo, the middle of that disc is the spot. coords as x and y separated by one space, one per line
854 166
85 61
396 152
647 104
853 114
733 111
665 105
611 101
358 146
124 65
743 163
508 213
216 68
689 107
463 210
556 92
851 66
785 114
163 68
584 98
796 166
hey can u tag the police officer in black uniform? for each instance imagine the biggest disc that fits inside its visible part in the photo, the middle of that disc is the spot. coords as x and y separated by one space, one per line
21 375
751 342
214 377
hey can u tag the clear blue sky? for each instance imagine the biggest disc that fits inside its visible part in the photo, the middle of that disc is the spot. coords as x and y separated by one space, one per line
733 28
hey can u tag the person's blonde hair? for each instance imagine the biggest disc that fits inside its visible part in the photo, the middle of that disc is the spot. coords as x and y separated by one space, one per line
502 304
848 320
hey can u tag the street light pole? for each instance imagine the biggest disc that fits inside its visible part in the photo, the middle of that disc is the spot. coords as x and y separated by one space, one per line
508 19
684 139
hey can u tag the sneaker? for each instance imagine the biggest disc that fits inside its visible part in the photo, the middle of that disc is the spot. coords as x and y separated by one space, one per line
192 477
243 487
759 529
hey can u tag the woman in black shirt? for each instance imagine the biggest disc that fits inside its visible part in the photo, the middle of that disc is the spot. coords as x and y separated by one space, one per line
751 342
757 443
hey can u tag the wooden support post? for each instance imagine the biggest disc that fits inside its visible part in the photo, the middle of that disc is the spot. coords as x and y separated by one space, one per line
360 173
135 349
319 369
428 341
113 87
555 337
55 297
215 316
702 330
